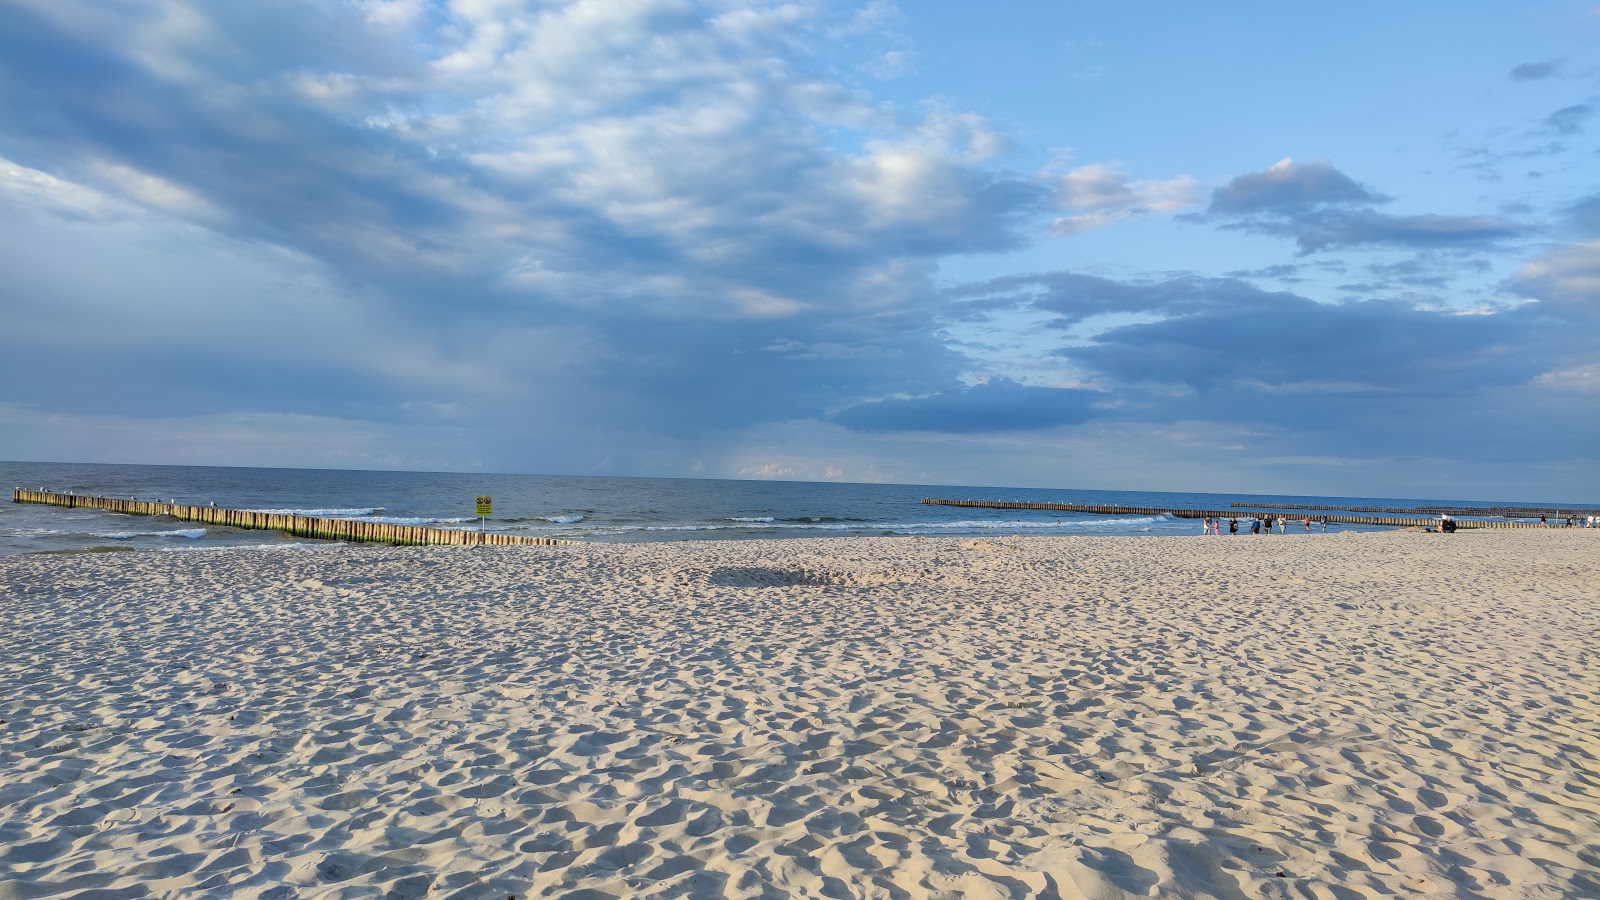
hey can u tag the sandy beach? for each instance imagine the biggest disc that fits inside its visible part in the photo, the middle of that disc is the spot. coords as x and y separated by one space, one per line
1327 716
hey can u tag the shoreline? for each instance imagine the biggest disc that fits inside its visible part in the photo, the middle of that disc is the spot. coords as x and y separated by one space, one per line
1090 716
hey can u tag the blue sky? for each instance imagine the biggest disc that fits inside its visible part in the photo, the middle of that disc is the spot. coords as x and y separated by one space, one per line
1233 247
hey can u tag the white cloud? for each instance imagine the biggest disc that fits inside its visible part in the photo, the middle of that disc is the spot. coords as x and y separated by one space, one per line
1582 379
391 13
153 191
1101 194
33 188
1566 278
770 471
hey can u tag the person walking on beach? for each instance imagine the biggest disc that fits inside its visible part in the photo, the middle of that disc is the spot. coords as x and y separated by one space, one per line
1308 524
1255 524
1205 525
1233 526
1324 524
1283 525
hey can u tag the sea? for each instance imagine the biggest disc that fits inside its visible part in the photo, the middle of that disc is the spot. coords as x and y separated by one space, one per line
585 508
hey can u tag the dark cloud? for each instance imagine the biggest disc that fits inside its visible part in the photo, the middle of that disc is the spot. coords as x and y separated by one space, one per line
1322 208
1584 216
1285 272
995 406
1366 349
1291 188
1072 297
1428 269
1368 228
687 203
396 186
1323 378
539 229
1569 120
1535 71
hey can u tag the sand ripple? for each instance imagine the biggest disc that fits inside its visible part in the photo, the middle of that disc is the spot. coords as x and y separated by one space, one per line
1343 716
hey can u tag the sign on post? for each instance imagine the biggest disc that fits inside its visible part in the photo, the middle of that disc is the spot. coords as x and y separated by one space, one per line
485 508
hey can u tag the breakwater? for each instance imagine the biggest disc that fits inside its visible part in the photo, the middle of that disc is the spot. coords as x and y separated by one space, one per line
1109 510
300 526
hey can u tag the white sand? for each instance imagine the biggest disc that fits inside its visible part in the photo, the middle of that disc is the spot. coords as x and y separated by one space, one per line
1341 716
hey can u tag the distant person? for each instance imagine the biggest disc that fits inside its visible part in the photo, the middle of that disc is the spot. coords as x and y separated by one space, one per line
1544 522
1205 525
1308 524
1255 524
1233 526
1324 524
1268 523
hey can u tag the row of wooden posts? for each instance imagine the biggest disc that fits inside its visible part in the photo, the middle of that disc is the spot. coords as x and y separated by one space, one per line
1107 509
300 526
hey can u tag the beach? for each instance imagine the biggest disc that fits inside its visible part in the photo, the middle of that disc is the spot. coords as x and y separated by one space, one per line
1342 716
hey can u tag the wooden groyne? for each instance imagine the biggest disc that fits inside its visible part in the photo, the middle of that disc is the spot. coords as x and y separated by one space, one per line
300 526
1509 512
1109 510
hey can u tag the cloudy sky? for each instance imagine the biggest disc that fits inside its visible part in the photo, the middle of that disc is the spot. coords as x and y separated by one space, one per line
1173 246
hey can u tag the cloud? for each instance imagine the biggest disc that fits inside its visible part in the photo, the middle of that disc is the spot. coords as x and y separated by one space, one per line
624 237
1582 379
1565 280
582 212
1322 208
1279 344
1569 120
1289 188
1535 71
1584 215
994 406
1072 297
1101 194
611 144
1419 231
1314 379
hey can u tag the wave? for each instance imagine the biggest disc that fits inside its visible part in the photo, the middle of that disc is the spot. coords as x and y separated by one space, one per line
750 519
192 534
322 513
420 520
289 545
861 525
563 520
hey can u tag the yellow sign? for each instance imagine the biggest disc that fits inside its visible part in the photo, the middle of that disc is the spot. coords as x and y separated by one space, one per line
485 506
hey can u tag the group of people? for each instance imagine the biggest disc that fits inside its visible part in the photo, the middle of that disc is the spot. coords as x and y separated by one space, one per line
1213 524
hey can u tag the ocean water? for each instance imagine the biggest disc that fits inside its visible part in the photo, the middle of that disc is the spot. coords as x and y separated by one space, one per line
576 507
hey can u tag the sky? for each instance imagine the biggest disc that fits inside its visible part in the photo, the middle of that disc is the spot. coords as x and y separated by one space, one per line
1232 247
